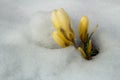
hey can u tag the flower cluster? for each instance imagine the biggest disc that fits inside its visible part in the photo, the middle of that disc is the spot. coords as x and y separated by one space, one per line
64 35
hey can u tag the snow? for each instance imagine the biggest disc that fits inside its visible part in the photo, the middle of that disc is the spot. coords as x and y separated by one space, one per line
26 47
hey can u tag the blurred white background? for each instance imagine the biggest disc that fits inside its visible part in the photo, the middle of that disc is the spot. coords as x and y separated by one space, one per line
21 59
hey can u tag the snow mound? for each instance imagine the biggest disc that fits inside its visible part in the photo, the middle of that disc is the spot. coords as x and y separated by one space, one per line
41 30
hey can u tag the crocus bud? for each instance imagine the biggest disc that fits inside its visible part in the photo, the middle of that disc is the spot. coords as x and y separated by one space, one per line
83 28
61 20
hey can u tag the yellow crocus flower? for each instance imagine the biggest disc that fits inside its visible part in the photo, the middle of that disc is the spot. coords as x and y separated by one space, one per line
83 28
61 20
64 35
55 21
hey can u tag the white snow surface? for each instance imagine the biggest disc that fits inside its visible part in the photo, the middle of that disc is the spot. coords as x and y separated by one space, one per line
26 46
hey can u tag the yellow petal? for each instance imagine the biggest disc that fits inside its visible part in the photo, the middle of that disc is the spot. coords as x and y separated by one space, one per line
83 28
55 20
82 52
65 13
89 47
64 19
60 39
62 36
70 36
